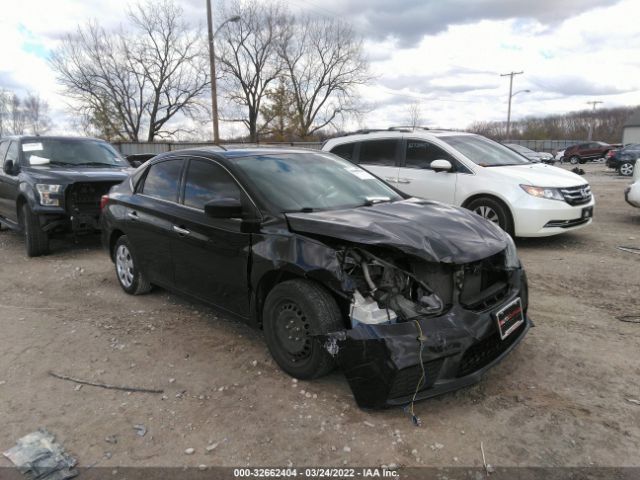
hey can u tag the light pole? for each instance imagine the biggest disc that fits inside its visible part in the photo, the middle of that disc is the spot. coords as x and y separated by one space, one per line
510 75
212 66
593 103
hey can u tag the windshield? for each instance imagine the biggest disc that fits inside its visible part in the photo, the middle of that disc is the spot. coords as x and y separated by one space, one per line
484 152
70 153
296 182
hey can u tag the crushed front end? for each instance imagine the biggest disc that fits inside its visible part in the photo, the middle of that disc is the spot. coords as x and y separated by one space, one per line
420 329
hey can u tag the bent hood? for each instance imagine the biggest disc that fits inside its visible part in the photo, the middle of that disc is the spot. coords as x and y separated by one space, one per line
430 230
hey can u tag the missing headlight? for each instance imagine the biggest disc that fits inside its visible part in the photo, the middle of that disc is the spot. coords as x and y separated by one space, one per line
386 293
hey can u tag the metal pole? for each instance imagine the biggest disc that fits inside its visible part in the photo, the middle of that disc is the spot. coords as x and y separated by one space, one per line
212 65
594 103
510 75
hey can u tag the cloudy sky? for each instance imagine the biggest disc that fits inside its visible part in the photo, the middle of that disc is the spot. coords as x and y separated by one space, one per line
446 55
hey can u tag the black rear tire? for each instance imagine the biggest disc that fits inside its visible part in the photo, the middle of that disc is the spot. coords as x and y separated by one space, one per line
574 160
36 239
128 273
295 312
493 210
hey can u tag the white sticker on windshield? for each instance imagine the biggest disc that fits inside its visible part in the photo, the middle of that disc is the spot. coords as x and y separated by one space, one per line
31 147
360 173
36 160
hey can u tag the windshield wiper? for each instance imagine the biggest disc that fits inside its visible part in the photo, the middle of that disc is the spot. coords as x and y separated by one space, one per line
96 164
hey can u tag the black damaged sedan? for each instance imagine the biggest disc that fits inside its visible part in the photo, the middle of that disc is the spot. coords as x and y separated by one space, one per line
411 298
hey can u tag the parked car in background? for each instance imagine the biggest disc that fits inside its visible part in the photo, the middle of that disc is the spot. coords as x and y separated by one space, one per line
525 199
531 155
332 263
583 152
632 192
624 159
51 185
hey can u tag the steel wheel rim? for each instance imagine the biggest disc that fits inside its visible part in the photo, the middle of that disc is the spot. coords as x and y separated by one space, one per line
292 331
488 213
124 266
573 160
626 169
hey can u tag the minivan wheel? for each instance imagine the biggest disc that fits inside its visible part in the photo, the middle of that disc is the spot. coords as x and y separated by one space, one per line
131 279
626 169
494 211
295 312
574 160
35 238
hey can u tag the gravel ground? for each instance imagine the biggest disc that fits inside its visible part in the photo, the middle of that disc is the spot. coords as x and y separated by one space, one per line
561 398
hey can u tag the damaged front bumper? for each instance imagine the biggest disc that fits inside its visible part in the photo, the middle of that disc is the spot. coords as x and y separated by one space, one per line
382 362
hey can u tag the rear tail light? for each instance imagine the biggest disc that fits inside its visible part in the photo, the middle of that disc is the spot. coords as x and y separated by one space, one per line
103 201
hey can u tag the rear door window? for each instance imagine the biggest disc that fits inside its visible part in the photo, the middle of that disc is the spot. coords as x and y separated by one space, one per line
163 180
420 154
379 152
208 181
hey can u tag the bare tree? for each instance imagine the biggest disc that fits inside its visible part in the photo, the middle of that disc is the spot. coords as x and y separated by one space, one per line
414 114
36 113
131 80
248 59
16 115
325 64
4 111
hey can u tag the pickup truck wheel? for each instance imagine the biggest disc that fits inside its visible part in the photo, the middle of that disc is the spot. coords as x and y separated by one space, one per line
574 160
626 169
294 312
131 279
494 211
36 239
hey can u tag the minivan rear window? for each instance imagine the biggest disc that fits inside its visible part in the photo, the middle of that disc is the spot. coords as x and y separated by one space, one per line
378 152
345 150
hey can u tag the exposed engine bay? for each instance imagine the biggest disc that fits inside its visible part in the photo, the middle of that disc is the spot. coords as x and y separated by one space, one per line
388 289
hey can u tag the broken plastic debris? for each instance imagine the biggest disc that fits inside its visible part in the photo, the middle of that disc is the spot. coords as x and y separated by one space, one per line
141 430
38 455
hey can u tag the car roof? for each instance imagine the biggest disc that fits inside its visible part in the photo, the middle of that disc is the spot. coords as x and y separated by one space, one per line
233 153
396 133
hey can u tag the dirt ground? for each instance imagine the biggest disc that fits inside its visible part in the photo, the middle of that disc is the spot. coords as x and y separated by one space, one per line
561 398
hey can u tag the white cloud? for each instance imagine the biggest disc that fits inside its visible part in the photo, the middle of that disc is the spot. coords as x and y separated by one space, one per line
575 53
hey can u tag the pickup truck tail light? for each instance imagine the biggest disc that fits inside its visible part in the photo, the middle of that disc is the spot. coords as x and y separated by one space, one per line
104 199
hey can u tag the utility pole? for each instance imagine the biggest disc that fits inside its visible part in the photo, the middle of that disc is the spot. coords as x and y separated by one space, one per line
593 103
510 75
212 66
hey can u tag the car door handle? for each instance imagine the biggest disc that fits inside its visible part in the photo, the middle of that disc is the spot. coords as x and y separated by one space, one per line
183 232
404 180
133 215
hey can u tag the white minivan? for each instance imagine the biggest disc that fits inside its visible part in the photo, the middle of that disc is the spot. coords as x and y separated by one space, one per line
525 199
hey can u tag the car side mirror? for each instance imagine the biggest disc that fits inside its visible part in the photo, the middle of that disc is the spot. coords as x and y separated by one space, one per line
223 208
8 167
441 166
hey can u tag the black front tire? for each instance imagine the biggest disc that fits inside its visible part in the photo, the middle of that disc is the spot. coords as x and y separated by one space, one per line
128 273
574 160
36 239
300 309
487 207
